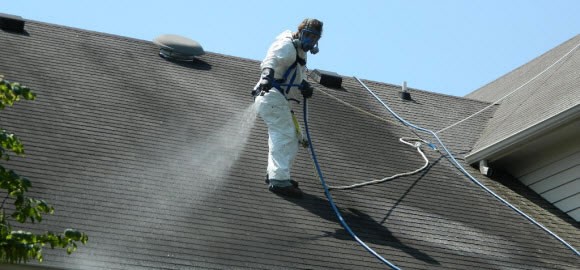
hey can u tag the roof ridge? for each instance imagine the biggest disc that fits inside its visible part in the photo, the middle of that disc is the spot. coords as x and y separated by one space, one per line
127 38
76 29
426 91
239 58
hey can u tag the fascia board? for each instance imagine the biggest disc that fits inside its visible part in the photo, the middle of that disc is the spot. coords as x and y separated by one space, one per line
503 147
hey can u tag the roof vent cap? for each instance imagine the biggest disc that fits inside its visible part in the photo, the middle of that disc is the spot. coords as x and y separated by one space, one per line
327 78
405 95
11 23
178 48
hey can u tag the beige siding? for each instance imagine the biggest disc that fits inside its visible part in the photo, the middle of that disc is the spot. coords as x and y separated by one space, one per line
575 214
558 181
551 165
569 204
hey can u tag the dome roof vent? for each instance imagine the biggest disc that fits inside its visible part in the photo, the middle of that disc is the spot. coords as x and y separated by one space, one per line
178 48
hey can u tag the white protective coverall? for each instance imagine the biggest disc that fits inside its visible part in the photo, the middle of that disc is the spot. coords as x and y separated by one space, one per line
274 108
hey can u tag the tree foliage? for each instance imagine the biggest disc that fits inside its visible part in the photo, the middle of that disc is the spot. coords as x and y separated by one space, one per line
18 246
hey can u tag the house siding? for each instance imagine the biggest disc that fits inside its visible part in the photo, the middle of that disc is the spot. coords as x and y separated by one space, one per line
558 182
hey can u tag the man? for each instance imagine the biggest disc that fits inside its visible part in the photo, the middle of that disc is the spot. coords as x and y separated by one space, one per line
284 74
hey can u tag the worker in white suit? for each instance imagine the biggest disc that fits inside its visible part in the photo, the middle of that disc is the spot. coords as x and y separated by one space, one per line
283 77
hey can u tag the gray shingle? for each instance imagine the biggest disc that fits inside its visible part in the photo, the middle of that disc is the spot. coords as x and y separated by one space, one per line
553 92
115 138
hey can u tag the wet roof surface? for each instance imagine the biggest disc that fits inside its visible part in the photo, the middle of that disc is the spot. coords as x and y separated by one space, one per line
157 162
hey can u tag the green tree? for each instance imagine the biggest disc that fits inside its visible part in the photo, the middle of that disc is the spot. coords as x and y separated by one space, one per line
18 246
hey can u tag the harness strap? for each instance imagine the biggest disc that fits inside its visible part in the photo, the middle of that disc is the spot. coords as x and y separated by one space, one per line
298 60
278 85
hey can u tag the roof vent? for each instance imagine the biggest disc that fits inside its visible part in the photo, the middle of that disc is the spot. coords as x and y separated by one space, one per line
405 95
11 23
327 78
178 48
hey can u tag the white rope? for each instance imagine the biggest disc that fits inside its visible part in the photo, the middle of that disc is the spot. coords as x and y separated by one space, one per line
416 145
473 179
510 93
359 109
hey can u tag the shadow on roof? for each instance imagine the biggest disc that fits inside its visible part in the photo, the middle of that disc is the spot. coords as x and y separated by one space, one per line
195 64
368 229
23 33
431 164
507 180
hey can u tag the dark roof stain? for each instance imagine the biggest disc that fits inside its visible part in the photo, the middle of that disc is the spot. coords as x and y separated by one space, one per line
127 147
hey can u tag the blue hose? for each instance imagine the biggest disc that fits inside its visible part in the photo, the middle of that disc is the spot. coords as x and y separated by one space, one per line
466 173
329 197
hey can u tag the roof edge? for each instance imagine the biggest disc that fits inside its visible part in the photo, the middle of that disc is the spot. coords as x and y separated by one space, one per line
503 146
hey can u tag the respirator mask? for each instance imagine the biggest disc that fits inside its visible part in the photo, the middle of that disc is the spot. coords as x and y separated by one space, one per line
309 40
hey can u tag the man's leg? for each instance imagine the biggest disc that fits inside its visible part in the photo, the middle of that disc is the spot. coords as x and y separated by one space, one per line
282 142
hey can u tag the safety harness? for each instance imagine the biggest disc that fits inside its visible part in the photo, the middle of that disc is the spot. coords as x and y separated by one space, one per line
281 82
278 84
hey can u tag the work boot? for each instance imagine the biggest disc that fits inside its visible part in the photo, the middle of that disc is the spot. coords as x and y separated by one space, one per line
289 191
294 183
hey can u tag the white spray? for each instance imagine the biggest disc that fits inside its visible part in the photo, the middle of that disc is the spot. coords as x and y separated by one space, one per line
221 149
197 168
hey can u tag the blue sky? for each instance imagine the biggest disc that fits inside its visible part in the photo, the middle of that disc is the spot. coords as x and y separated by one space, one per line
444 46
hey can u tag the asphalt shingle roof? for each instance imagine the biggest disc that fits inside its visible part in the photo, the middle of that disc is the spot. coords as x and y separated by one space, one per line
551 93
129 148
